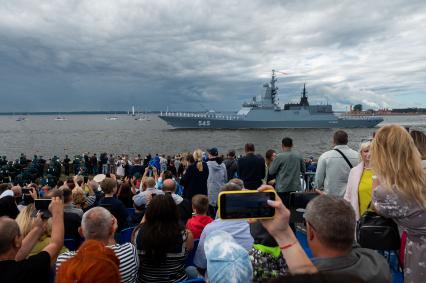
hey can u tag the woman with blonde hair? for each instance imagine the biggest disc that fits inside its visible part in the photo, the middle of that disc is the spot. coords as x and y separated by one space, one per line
198 157
360 182
25 222
420 141
399 192
25 219
195 178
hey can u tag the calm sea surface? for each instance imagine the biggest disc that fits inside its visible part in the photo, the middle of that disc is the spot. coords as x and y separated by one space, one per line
43 135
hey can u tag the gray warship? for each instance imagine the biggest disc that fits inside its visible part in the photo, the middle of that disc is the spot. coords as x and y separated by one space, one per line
266 113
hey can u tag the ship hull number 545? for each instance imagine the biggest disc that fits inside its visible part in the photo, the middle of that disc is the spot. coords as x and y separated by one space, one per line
205 123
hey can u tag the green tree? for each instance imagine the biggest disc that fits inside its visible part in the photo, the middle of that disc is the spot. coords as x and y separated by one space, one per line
358 107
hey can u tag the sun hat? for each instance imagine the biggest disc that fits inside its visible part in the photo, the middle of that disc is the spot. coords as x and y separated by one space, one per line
227 261
99 178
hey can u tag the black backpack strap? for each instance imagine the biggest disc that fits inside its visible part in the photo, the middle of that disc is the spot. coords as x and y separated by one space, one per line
344 157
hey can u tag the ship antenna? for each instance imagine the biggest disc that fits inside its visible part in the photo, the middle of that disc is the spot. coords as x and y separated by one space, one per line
304 98
304 91
274 89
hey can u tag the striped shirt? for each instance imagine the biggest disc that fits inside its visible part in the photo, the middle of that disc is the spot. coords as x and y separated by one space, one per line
172 270
126 253
90 200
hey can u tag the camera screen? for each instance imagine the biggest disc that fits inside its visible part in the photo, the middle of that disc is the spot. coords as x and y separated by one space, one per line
246 205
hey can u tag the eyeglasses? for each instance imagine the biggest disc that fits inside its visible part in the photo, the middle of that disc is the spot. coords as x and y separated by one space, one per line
312 226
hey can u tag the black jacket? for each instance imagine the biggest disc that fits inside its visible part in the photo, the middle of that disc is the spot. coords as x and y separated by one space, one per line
194 181
231 168
251 169
117 208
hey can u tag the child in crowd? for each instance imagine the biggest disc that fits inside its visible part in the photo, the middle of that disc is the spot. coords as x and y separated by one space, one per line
200 206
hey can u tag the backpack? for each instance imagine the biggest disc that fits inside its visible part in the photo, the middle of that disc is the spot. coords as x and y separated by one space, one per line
377 232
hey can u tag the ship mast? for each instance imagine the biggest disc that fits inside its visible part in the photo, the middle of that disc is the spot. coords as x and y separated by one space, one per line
304 98
274 90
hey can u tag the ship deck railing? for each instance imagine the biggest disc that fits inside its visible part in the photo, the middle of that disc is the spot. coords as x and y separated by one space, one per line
213 116
361 117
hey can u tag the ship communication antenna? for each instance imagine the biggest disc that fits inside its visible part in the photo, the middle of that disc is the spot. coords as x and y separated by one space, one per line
274 89
304 98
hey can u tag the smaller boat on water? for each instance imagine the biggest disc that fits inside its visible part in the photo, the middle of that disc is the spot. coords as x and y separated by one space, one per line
20 119
142 118
60 118
111 118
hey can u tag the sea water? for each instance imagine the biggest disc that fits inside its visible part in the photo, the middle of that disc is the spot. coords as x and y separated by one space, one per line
42 135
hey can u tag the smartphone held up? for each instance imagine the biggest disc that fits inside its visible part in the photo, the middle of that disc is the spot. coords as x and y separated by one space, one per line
246 205
42 206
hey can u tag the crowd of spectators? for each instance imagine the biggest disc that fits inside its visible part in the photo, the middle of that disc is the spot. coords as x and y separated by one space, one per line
169 204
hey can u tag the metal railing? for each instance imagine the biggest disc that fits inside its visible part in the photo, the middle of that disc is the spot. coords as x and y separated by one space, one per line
202 115
349 117
308 181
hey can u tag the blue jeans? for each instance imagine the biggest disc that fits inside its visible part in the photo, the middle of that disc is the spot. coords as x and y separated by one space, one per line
192 272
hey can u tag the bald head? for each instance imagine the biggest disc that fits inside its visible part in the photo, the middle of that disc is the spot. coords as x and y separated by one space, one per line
9 231
97 224
150 182
169 185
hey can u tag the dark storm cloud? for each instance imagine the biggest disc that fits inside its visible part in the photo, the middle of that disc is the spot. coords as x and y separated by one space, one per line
104 55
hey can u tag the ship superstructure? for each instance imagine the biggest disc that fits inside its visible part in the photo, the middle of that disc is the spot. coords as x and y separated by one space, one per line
267 113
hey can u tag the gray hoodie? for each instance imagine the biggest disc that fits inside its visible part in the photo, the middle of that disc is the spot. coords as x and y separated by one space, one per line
217 178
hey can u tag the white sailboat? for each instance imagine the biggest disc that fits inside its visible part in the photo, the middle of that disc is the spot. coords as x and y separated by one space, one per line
111 118
142 117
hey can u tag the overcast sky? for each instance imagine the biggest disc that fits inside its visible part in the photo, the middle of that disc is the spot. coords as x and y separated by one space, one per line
195 55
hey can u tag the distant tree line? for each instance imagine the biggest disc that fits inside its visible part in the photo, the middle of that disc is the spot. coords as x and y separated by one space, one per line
409 110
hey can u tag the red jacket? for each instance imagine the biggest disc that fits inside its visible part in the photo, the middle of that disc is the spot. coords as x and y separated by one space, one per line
197 223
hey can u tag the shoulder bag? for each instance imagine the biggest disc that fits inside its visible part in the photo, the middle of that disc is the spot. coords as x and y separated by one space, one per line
344 157
376 232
